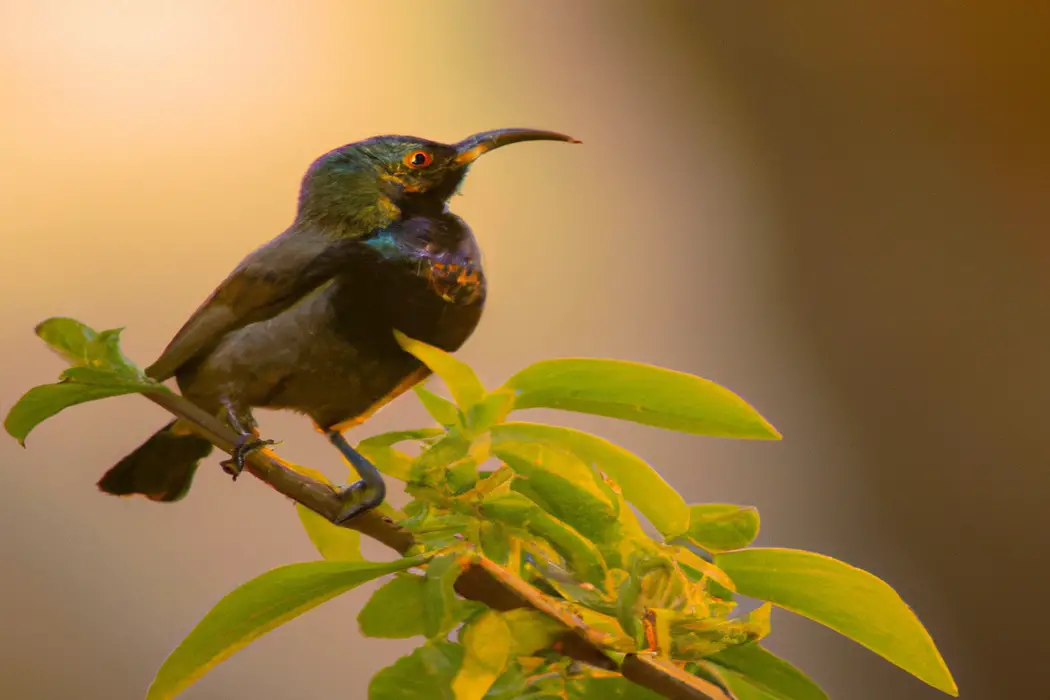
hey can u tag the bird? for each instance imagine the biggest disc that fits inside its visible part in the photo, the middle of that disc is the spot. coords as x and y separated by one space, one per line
307 321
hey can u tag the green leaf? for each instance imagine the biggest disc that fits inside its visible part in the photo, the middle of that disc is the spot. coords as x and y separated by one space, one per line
103 376
617 640
395 610
518 510
335 543
566 487
460 379
639 392
495 541
700 637
379 450
512 685
462 475
718 527
440 409
82 346
628 607
433 461
257 607
487 646
395 436
75 342
425 674
608 688
440 600
699 568
387 460
753 665
846 599
737 686
41 402
490 410
99 371
641 484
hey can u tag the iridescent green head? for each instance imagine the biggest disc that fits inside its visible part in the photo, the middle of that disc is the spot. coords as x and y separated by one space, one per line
373 182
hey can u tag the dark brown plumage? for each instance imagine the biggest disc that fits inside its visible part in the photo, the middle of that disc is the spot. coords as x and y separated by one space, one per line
306 321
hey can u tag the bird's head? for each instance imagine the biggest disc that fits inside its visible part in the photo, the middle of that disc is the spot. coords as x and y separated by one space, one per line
372 182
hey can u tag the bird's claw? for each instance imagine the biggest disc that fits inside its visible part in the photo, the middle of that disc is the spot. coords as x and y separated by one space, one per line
357 498
246 444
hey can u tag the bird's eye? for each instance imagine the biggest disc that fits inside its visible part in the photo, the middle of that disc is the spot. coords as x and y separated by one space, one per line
418 159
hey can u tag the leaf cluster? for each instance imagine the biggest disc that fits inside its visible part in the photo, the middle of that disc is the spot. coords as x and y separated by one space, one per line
557 512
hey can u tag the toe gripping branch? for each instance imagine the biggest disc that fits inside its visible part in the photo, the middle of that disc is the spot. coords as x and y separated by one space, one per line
362 495
246 444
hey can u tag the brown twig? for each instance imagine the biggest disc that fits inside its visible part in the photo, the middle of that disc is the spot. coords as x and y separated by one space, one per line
485 582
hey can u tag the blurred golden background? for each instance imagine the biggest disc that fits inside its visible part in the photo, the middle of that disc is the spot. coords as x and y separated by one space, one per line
840 213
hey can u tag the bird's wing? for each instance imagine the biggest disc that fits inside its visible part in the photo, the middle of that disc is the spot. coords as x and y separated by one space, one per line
267 282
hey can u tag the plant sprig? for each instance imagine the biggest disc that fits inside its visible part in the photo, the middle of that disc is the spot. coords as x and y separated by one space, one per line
546 513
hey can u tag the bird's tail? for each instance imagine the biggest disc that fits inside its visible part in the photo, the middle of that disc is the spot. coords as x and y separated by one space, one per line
160 469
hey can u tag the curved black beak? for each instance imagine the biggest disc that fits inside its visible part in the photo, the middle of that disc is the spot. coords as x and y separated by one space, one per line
472 147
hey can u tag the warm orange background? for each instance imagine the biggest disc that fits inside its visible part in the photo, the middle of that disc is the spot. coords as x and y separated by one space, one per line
839 213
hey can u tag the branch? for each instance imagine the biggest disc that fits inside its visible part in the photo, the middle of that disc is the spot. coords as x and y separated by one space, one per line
485 581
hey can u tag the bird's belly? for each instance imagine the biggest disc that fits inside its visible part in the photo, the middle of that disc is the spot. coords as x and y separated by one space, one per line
346 386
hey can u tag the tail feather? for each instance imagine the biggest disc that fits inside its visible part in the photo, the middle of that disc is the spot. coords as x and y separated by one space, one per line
161 469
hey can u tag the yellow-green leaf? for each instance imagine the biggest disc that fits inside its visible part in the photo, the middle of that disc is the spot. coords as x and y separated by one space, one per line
641 393
531 630
395 436
460 379
439 595
608 688
495 541
433 461
580 553
700 567
425 674
563 485
379 450
719 527
388 460
440 409
395 610
642 486
42 402
100 370
82 346
700 637
753 665
487 645
462 475
257 607
335 543
490 410
849 600
628 608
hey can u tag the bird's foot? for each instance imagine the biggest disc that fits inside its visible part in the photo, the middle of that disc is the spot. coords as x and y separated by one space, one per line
362 495
246 444
357 498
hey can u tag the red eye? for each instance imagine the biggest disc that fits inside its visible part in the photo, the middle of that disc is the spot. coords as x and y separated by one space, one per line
418 159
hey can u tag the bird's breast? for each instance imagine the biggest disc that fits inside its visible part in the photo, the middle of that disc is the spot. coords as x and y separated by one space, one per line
440 252
423 277
460 283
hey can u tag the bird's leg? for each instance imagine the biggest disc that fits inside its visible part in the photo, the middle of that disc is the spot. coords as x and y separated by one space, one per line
362 495
247 442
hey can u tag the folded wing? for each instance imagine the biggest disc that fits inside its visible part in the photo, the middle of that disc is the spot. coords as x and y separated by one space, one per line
268 281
